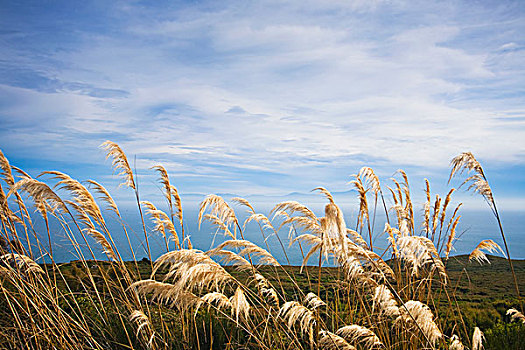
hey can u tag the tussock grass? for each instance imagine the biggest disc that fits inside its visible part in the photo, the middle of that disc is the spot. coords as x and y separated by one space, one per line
236 295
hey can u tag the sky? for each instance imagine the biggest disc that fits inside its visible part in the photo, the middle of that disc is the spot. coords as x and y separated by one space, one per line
266 97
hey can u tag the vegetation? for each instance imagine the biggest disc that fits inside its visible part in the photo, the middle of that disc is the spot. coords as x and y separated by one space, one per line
237 295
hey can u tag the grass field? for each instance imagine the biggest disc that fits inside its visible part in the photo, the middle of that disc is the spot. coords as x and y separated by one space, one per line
237 295
484 292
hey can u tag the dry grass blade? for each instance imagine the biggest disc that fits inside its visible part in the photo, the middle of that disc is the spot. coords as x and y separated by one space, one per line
120 162
488 245
22 263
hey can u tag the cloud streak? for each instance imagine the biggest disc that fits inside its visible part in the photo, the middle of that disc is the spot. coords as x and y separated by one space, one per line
276 95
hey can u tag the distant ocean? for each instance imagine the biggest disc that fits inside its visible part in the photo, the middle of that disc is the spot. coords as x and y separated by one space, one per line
474 226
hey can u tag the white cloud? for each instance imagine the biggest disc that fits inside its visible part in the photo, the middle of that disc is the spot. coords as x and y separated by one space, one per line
312 86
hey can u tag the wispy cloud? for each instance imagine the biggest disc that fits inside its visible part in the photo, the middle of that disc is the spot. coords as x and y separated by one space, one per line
267 96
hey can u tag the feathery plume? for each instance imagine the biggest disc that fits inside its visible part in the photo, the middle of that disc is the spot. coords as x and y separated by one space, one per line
312 301
426 221
248 248
419 252
229 257
467 161
6 173
356 334
162 222
220 209
451 236
178 205
370 179
101 239
165 181
120 163
464 161
488 245
455 343
166 293
244 202
477 339
219 300
106 197
40 192
515 315
79 192
331 341
295 313
294 207
143 322
327 194
419 316
363 202
384 300
22 262
239 305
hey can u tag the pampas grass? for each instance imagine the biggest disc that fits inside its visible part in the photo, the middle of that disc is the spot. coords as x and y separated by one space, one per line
477 339
236 294
488 245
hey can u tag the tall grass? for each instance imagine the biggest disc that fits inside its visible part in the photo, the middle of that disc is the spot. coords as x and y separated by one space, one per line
237 294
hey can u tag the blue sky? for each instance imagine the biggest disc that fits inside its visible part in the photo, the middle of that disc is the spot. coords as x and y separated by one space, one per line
266 97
